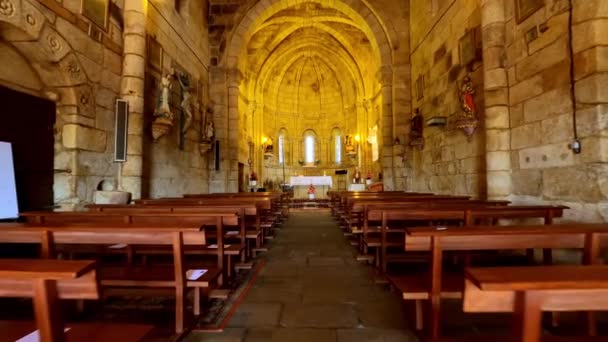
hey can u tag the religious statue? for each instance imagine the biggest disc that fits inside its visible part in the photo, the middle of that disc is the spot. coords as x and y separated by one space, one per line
186 104
209 131
269 147
372 139
468 119
416 130
163 117
349 146
357 178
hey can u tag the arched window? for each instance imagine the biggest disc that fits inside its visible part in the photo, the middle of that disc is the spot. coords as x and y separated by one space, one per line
336 136
282 140
309 147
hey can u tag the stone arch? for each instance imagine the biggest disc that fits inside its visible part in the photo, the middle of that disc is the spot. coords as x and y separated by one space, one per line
237 85
359 9
62 79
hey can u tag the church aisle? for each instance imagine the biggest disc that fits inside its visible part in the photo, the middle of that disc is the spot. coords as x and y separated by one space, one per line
313 289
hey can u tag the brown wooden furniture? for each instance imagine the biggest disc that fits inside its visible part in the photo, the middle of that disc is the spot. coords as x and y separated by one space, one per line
78 332
476 238
163 216
527 291
174 276
39 278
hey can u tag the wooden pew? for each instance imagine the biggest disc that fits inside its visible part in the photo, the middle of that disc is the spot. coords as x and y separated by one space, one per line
175 276
400 215
527 291
477 238
41 277
250 215
47 282
132 215
78 332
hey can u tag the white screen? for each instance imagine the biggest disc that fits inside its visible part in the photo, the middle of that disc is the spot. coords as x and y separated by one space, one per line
8 191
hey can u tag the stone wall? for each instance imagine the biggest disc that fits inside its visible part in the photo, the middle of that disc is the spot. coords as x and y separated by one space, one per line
53 53
450 163
183 35
50 54
544 168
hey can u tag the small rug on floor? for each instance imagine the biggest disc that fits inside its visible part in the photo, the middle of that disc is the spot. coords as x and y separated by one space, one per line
159 309
217 312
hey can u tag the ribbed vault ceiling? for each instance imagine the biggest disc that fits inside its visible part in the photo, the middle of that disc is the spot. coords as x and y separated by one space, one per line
310 59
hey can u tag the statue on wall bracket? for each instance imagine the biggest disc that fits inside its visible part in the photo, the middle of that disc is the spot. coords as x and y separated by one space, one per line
467 120
416 131
186 106
163 117
208 133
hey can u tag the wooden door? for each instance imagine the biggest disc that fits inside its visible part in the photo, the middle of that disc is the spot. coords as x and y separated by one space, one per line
27 122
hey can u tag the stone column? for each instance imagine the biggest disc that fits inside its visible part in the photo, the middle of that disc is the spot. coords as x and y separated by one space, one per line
385 75
232 150
590 32
132 90
496 93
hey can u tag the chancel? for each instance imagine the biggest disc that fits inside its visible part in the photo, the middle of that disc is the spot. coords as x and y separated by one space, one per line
310 170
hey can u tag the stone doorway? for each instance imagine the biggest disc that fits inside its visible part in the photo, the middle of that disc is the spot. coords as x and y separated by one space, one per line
27 123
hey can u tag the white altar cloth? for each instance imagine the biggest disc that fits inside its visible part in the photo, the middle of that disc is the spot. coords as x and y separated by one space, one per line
308 180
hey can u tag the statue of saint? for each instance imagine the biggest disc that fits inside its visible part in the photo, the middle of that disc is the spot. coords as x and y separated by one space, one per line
372 139
209 131
467 100
186 105
163 109
468 119
269 147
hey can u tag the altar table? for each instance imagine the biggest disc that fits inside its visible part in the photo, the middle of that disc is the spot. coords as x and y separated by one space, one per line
303 182
308 180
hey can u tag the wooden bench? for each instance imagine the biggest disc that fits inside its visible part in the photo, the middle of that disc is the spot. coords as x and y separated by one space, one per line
47 282
134 215
477 238
174 276
250 216
399 216
527 291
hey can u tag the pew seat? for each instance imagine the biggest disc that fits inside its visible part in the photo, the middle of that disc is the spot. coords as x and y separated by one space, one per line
415 285
78 332
154 276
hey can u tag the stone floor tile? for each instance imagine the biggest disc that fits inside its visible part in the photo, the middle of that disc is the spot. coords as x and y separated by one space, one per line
228 335
257 315
291 335
326 261
375 335
319 316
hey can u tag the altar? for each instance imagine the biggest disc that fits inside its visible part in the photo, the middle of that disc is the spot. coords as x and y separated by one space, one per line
302 183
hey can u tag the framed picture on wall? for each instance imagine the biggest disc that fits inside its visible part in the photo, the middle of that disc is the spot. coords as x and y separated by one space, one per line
96 11
467 47
155 54
420 87
525 8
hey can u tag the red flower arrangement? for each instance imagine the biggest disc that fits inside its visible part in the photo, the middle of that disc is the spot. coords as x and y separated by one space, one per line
311 190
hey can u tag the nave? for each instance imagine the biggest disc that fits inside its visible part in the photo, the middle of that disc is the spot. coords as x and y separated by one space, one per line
311 288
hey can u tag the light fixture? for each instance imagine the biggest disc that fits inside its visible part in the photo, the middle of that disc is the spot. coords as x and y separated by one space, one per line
357 138
437 121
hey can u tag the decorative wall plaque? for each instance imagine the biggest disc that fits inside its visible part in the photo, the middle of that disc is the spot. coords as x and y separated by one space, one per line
155 54
525 8
96 11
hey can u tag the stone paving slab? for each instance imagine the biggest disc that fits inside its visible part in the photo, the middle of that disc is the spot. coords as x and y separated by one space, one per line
257 315
375 335
319 316
291 335
313 289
